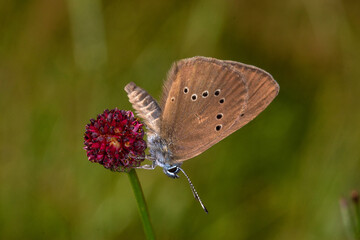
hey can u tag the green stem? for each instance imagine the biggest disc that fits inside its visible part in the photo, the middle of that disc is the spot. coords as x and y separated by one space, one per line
357 219
144 214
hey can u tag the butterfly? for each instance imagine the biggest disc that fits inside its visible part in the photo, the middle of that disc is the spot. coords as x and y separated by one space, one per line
203 101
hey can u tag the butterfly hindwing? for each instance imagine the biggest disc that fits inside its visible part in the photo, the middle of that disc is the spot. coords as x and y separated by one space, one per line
146 107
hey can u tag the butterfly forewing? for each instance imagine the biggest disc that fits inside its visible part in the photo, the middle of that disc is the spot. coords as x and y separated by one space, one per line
262 89
202 101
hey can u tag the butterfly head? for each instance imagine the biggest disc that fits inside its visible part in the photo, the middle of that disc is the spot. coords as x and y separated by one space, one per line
171 170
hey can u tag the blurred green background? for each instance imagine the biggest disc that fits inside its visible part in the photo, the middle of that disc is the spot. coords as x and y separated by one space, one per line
279 177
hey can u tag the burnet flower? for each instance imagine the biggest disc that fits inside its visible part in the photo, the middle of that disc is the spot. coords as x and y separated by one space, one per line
115 140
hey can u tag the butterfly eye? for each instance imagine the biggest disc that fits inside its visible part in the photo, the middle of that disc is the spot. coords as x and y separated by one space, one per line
172 99
219 116
173 170
186 90
222 100
218 127
194 97
217 92
205 94
242 115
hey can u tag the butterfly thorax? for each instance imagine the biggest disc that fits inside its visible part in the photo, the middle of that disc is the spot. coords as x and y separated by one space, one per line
161 155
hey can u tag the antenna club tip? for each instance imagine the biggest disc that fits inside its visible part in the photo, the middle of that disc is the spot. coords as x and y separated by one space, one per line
196 195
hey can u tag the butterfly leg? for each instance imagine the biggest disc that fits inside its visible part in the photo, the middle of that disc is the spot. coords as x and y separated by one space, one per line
149 157
142 158
148 167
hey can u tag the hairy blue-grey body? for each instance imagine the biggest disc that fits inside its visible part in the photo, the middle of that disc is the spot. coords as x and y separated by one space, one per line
160 152
148 109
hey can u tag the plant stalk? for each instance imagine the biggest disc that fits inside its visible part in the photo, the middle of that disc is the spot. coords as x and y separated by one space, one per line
144 213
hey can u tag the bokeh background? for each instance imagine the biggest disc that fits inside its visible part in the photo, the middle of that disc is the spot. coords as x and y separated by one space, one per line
279 177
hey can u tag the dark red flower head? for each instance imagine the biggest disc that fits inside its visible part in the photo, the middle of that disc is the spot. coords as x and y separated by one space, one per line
115 140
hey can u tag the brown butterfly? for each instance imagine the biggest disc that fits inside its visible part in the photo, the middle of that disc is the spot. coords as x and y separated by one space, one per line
204 100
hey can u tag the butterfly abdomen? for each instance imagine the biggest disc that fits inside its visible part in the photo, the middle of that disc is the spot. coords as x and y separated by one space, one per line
146 106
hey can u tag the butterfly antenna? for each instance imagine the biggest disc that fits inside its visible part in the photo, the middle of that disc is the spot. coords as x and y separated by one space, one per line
196 195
